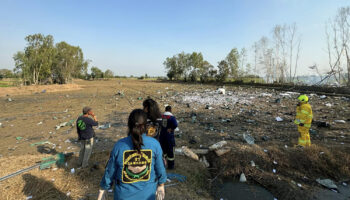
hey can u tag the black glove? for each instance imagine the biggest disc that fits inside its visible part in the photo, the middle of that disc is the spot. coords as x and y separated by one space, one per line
301 124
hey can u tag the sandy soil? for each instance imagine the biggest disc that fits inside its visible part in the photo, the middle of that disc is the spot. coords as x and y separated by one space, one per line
34 116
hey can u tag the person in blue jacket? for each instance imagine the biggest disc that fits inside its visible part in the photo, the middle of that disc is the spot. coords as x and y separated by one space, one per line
167 138
135 166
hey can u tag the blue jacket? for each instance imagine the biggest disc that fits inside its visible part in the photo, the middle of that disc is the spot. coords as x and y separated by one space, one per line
129 185
168 121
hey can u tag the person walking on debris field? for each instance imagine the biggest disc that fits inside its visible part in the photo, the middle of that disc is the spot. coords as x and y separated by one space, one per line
303 120
135 165
86 135
167 138
154 118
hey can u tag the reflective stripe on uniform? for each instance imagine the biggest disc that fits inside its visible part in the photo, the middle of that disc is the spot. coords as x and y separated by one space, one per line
302 142
306 113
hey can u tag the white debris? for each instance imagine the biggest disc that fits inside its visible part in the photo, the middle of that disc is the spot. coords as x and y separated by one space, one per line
265 150
68 194
212 98
328 105
29 197
9 99
72 171
340 121
323 96
285 146
204 161
274 171
274 162
217 145
327 183
221 91
248 138
345 184
299 185
242 178
67 141
252 163
279 119
265 95
39 123
111 190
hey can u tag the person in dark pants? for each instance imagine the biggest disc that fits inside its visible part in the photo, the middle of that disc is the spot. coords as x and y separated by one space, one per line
167 138
86 135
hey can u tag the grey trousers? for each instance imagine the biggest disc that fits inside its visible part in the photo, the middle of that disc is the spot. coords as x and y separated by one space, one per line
85 152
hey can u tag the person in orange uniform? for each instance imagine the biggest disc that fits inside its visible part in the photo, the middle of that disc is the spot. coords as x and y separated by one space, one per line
303 119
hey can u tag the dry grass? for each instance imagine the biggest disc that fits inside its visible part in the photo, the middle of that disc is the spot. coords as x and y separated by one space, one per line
294 165
25 90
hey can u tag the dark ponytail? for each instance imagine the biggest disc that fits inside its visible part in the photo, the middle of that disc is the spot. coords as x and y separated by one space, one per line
153 112
137 126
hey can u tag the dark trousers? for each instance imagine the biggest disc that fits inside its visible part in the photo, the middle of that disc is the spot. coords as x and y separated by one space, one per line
167 141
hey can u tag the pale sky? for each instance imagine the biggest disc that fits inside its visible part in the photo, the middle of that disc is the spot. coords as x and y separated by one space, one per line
134 37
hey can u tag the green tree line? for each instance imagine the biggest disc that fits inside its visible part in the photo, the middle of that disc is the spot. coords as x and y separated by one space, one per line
193 67
44 62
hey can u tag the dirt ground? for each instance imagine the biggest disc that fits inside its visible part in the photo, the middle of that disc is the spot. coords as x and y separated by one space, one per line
33 117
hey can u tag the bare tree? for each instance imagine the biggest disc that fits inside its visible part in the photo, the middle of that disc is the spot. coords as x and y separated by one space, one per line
338 39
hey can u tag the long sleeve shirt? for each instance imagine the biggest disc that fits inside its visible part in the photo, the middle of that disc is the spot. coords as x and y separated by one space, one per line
129 184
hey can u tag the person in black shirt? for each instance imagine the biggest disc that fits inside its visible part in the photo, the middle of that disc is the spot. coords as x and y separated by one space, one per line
154 118
86 135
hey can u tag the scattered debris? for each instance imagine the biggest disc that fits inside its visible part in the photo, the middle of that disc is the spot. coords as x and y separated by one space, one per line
328 105
63 124
187 152
340 121
327 183
323 124
313 131
221 91
105 126
72 171
178 177
29 197
274 171
279 119
208 107
39 123
19 138
42 142
222 151
217 145
242 178
265 138
252 163
204 161
250 121
323 96
248 138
